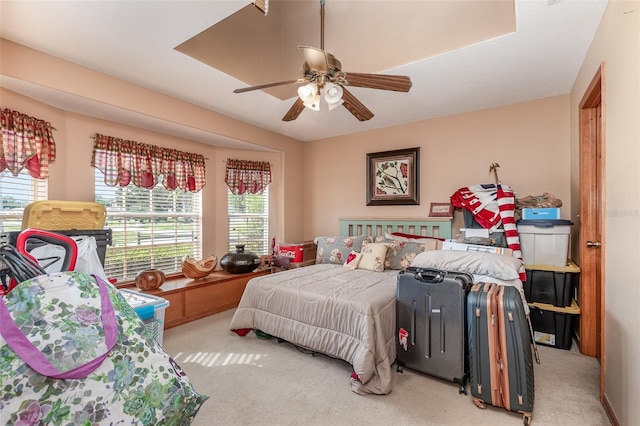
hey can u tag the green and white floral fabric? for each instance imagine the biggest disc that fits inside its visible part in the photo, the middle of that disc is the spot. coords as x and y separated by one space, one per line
137 384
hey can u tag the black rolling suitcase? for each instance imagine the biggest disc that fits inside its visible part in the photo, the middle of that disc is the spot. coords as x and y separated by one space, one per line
431 323
500 349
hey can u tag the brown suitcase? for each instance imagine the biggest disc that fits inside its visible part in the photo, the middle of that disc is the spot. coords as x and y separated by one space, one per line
500 349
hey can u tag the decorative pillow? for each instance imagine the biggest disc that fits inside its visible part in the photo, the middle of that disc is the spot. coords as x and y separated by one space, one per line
353 259
401 253
410 237
431 243
472 262
373 256
336 249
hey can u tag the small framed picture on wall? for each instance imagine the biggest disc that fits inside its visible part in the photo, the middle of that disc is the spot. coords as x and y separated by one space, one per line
441 210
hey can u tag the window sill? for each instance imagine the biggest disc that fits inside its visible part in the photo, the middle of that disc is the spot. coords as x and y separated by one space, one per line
190 299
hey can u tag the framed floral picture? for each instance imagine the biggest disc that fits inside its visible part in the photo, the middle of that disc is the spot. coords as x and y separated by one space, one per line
393 178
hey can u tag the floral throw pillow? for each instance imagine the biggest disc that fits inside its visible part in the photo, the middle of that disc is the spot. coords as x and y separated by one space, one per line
373 256
336 249
401 253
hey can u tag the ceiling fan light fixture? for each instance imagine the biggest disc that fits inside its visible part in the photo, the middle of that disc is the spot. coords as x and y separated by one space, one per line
309 96
333 95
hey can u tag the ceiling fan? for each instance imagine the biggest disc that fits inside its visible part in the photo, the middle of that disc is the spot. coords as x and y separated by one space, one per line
322 72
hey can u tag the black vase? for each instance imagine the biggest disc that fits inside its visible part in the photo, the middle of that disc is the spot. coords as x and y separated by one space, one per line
240 261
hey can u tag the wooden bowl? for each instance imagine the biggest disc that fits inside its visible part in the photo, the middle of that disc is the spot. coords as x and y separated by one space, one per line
149 279
196 269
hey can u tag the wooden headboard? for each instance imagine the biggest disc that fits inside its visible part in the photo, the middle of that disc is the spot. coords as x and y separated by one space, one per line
432 227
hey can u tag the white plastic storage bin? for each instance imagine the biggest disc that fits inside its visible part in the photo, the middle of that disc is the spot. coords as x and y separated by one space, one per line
150 309
544 242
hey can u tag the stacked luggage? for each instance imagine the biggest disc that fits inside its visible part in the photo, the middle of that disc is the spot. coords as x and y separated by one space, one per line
455 330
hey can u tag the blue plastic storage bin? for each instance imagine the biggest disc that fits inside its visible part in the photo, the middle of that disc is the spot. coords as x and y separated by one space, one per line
150 309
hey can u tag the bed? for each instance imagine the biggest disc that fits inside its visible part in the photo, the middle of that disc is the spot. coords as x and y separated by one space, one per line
349 313
328 308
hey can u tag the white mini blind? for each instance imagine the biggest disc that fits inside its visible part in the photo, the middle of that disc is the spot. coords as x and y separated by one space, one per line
249 221
151 228
16 192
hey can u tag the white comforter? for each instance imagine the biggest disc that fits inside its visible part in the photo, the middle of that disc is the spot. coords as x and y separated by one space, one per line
330 309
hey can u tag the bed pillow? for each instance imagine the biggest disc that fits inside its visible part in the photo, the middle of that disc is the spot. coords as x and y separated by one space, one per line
336 249
353 259
431 243
373 256
401 253
472 262
411 237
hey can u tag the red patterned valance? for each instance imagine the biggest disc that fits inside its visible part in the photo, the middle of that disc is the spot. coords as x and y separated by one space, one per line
124 162
27 142
247 176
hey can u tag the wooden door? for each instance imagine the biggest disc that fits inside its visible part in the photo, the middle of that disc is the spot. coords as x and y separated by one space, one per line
592 210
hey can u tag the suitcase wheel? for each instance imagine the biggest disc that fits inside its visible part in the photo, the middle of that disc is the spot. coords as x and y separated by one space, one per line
462 390
526 419
480 403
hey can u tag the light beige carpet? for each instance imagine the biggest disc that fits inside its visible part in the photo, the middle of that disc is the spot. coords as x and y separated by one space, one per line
252 381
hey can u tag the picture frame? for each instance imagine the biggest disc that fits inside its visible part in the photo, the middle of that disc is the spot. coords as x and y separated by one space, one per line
393 177
441 210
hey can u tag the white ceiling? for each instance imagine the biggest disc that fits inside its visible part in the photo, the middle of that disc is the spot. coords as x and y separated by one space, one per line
135 41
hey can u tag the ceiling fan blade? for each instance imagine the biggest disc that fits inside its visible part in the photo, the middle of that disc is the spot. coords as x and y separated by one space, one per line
315 58
267 85
294 111
398 83
355 107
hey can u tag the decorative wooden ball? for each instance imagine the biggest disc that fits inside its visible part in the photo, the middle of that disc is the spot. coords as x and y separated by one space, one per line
149 279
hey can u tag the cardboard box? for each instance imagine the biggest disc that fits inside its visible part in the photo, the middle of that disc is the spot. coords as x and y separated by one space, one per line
298 252
302 264
454 245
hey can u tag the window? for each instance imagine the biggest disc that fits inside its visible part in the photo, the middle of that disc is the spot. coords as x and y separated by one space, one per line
16 192
152 228
249 221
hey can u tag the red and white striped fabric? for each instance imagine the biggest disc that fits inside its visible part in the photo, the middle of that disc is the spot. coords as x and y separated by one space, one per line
492 206
480 200
507 205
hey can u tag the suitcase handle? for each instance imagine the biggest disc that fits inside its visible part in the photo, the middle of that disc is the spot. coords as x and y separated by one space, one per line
430 312
430 276
69 245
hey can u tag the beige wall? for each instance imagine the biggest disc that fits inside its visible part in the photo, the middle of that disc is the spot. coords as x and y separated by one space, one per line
617 45
530 141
